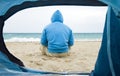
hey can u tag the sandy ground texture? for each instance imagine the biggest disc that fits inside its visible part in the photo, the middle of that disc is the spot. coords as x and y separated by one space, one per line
82 57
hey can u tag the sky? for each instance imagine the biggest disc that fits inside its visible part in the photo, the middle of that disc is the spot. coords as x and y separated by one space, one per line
81 19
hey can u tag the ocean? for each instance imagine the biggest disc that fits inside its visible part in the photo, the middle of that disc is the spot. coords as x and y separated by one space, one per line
28 37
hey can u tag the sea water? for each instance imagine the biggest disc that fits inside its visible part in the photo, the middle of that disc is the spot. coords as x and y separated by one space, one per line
28 37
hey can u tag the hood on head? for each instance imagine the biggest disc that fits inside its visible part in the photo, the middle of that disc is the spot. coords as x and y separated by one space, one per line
57 17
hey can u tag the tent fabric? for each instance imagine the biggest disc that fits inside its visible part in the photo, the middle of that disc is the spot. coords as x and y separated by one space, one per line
109 65
5 5
113 3
5 62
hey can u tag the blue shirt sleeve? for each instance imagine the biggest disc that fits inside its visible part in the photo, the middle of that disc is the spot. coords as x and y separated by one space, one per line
44 38
71 39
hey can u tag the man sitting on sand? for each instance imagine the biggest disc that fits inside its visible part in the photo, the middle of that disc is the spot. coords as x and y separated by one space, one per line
57 38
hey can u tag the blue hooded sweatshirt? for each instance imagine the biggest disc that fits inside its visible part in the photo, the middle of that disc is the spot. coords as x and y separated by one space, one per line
57 36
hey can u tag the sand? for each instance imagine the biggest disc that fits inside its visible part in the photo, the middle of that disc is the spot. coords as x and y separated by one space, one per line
82 57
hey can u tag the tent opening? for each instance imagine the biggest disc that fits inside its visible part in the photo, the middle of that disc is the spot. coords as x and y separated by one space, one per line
22 33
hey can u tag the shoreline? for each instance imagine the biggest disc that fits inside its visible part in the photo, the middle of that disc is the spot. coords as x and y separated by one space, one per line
81 40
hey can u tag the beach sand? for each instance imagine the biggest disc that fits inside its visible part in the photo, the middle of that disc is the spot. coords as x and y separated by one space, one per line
82 57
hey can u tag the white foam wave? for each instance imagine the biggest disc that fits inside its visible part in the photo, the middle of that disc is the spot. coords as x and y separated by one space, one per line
22 39
15 39
88 39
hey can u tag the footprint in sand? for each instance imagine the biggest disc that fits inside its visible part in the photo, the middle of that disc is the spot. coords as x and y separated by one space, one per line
44 59
39 64
67 60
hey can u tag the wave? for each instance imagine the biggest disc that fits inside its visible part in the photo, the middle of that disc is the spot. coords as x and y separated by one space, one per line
22 39
88 39
16 39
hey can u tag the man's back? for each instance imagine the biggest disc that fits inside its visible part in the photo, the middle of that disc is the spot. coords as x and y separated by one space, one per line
57 36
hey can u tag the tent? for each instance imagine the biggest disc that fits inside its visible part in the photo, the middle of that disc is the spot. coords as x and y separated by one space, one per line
108 60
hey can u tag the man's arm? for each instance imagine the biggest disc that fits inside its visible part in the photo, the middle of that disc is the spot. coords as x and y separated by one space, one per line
71 39
44 38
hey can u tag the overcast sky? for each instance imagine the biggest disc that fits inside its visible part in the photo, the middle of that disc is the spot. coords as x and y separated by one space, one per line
81 19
